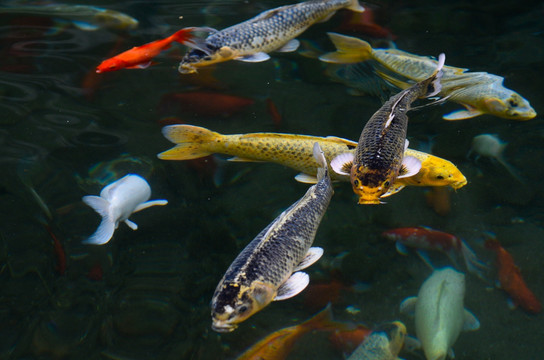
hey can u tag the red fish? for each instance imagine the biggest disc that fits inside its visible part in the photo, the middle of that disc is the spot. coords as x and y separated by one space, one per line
202 103
139 57
364 23
274 112
511 280
424 238
349 338
59 252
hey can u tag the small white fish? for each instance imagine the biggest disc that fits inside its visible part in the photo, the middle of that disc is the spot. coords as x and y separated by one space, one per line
491 146
439 313
116 203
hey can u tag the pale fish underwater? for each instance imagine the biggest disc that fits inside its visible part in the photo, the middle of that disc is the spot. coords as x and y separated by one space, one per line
479 92
269 267
116 203
295 151
384 343
272 30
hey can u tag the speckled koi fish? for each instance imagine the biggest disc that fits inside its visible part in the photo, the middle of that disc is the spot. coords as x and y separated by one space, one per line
295 151
479 92
272 30
379 157
384 343
268 268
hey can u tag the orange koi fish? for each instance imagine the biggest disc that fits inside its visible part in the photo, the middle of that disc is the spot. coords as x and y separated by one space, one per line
280 343
511 280
139 57
348 339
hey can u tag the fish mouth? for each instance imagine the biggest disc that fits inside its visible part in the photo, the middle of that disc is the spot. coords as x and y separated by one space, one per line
186 69
223 327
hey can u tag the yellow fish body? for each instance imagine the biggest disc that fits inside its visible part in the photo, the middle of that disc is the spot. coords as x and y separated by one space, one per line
295 151
272 30
479 92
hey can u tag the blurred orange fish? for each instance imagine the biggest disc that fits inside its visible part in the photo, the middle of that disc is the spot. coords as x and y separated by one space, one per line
274 112
364 23
439 199
139 57
201 103
511 280
279 344
59 251
349 338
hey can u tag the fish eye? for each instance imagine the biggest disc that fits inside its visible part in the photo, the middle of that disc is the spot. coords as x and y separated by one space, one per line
242 309
512 103
387 183
356 182
440 177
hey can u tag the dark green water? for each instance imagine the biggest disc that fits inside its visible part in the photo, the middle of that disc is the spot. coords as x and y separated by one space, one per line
145 294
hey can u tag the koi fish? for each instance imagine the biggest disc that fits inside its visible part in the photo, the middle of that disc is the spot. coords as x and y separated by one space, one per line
439 313
384 343
349 338
272 30
139 57
295 151
84 17
479 92
379 156
269 267
511 280
203 103
491 146
439 199
425 238
279 344
116 203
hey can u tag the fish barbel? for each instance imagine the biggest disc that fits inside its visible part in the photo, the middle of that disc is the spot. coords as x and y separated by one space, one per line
479 92
379 156
268 268
295 151
272 30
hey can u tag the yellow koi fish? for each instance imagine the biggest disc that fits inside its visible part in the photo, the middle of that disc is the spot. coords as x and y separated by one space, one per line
295 151
272 30
479 92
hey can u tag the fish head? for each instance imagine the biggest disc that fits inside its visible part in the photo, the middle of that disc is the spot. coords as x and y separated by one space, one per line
200 57
115 20
510 106
233 303
395 332
440 173
112 64
370 184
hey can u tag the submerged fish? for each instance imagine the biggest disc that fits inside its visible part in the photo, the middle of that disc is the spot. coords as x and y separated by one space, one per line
279 344
268 268
511 280
379 156
479 92
295 151
84 17
439 313
384 343
272 30
116 203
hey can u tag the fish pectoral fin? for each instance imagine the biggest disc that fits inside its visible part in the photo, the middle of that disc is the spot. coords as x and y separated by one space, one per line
99 204
451 354
131 224
411 344
408 306
470 112
85 26
424 256
410 167
242 159
395 188
141 66
293 286
290 46
103 234
306 179
150 203
401 249
342 163
471 323
258 57
314 254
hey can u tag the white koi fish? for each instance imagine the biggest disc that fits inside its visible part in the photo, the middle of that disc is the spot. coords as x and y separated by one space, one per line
439 313
116 203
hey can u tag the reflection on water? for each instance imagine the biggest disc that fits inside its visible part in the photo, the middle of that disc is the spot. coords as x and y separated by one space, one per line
66 133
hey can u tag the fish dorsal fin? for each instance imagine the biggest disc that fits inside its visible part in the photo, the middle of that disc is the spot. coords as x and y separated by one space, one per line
150 203
410 166
290 46
393 189
306 179
471 323
314 253
257 57
342 163
408 306
470 112
293 286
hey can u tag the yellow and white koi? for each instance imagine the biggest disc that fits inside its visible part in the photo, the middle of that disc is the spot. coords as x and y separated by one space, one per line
272 30
479 92
269 267
384 343
295 151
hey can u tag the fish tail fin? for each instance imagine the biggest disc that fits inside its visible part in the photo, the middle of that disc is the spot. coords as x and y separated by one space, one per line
185 35
355 6
435 86
106 228
192 142
348 50
319 157
473 264
513 171
321 321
